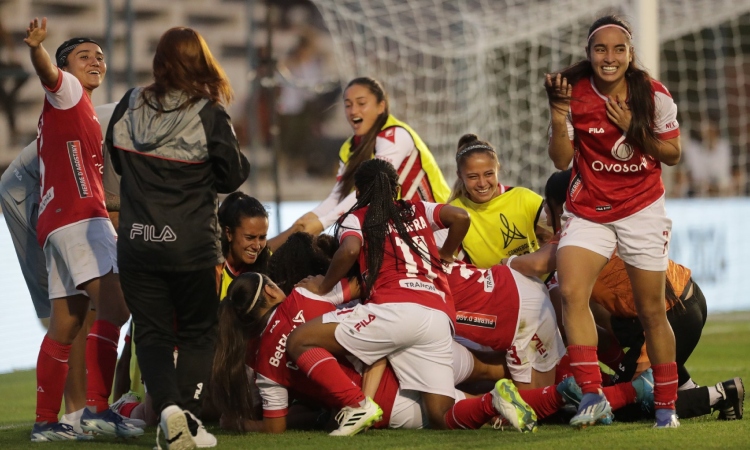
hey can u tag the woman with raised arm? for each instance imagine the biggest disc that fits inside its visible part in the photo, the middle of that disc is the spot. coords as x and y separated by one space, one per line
77 237
377 134
617 125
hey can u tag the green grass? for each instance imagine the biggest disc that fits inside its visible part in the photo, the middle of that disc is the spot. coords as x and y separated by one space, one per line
724 352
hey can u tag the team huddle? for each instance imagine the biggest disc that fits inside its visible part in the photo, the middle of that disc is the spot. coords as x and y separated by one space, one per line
427 307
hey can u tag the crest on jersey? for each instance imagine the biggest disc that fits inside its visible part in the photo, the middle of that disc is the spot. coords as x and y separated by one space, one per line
509 234
622 151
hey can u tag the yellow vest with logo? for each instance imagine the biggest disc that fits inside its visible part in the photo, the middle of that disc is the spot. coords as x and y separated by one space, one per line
502 227
439 186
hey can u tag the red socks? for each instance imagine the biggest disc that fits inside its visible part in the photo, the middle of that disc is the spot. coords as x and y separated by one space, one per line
665 385
613 356
470 414
545 401
585 367
51 373
127 409
619 395
320 366
101 358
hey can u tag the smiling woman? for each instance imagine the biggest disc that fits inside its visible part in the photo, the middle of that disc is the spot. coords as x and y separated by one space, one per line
505 219
377 134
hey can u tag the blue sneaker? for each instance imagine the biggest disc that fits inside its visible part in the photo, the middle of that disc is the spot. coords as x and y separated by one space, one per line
56 431
108 423
644 390
666 418
508 403
570 392
594 408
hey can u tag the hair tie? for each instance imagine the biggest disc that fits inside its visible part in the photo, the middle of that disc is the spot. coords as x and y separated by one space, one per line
257 293
610 25
474 147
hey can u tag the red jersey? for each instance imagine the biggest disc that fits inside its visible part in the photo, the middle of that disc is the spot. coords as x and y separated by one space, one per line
276 375
404 276
69 144
612 179
487 303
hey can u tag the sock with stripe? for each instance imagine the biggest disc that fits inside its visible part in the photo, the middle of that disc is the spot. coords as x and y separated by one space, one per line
665 385
585 368
471 413
51 373
322 367
101 358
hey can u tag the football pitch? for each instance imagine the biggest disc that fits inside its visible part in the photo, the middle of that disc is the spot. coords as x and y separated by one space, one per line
723 353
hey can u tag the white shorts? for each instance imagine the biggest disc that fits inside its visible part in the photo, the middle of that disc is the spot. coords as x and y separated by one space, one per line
79 253
408 411
537 344
415 339
463 359
642 240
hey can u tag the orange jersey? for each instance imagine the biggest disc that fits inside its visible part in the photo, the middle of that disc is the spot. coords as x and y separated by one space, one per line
612 288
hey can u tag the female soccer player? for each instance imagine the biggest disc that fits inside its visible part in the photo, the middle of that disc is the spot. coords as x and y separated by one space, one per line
174 145
77 237
377 134
244 227
407 300
513 211
617 125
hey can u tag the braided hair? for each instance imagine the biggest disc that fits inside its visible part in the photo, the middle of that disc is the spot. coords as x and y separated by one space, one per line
377 183
296 259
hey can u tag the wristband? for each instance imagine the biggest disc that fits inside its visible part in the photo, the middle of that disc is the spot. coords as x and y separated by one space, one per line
507 263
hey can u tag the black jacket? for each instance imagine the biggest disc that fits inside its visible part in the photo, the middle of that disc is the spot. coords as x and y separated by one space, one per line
172 165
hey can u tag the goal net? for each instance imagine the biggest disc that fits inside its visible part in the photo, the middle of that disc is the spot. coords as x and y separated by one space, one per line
476 66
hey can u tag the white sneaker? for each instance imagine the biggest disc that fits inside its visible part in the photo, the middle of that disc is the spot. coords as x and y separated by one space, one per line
177 434
202 438
353 420
508 403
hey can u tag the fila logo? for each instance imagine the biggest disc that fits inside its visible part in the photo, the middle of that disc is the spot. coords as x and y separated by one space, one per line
149 233
198 391
596 130
363 323
299 318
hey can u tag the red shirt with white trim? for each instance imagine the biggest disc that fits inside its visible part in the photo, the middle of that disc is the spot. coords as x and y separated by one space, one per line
69 143
487 302
612 179
277 377
404 276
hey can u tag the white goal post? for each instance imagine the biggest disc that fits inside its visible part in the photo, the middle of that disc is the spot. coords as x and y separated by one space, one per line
458 66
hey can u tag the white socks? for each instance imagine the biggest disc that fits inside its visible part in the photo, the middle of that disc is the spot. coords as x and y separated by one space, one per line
74 420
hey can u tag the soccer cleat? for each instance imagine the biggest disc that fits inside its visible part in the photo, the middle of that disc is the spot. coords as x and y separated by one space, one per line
731 406
202 438
666 418
56 431
508 403
108 423
353 420
570 392
130 397
174 425
644 390
594 408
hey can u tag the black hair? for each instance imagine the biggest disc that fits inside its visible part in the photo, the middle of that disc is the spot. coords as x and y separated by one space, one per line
239 322
377 183
555 192
296 259
640 90
235 207
469 144
61 55
366 147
